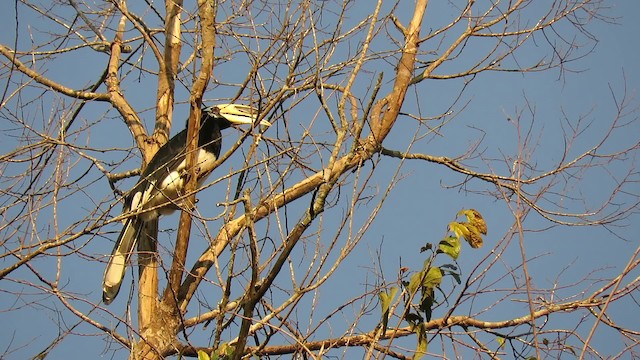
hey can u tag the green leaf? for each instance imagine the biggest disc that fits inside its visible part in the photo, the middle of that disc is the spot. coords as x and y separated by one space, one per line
427 247
452 270
413 318
385 302
226 350
394 292
449 266
387 298
450 246
202 355
421 349
414 282
456 276
433 278
426 303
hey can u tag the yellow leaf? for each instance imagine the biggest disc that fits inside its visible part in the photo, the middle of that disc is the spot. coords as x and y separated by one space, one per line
473 236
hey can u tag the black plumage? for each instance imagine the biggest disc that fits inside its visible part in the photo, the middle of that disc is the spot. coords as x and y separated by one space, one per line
162 182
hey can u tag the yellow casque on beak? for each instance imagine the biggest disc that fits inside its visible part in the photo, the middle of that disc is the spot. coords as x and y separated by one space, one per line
237 114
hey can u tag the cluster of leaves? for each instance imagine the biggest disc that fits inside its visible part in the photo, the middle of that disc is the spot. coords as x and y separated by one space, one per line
419 291
225 351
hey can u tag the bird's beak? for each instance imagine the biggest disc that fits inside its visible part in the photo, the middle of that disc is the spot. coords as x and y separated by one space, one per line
237 114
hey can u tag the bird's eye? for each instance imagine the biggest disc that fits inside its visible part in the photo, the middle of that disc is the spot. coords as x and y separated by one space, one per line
214 110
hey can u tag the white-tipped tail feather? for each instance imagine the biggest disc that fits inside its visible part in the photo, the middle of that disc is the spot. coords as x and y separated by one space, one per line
117 265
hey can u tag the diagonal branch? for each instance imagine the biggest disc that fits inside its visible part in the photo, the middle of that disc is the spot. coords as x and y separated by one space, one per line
23 68
381 125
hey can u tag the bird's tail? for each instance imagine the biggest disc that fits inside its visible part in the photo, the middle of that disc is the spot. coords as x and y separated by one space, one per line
119 257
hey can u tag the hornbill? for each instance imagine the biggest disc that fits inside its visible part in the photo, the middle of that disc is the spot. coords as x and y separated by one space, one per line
162 182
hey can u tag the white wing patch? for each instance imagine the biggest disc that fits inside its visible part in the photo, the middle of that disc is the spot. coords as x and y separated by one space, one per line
135 201
165 197
172 182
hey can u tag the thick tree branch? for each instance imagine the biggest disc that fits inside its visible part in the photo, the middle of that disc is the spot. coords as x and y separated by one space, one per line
367 339
206 11
117 98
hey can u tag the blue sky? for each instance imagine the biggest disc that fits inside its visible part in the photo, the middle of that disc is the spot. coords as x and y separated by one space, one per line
423 201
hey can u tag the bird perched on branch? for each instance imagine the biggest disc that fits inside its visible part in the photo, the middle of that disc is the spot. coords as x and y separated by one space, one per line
162 182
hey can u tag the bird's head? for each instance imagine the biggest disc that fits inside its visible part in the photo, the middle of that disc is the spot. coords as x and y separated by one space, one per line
234 114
